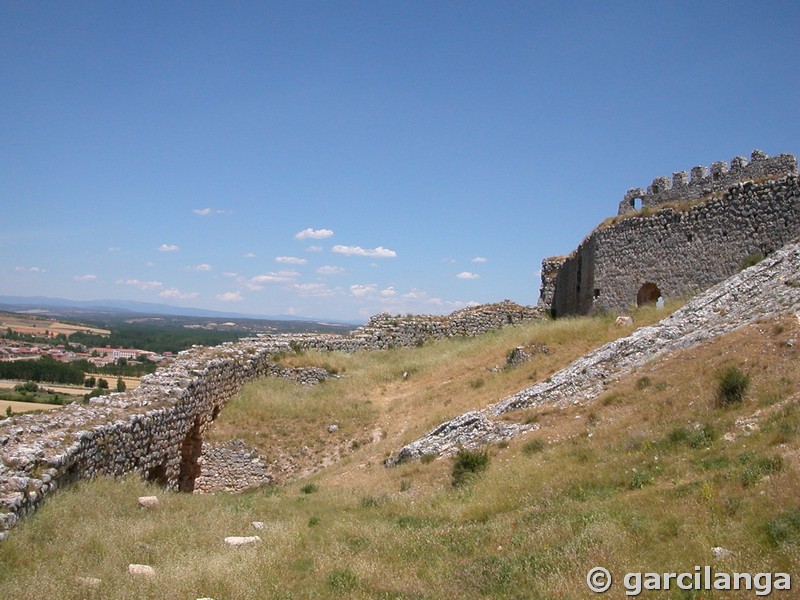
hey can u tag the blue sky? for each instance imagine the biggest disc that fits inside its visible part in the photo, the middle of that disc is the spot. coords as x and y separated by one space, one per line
339 159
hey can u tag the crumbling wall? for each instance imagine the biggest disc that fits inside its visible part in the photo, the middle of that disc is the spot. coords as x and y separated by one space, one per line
675 250
704 183
157 429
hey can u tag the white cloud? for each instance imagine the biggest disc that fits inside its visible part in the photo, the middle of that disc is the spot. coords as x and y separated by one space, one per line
230 274
291 260
359 291
230 296
331 270
319 290
314 234
114 249
314 249
176 294
30 270
142 285
389 292
85 278
204 212
168 248
201 267
479 259
250 255
258 282
467 275
449 261
379 252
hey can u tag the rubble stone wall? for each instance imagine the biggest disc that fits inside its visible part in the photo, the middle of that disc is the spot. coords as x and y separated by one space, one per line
157 429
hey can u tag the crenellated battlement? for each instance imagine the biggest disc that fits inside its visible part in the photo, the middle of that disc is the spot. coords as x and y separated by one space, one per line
706 180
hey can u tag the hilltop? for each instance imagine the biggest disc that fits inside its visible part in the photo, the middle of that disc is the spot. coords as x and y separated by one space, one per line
648 471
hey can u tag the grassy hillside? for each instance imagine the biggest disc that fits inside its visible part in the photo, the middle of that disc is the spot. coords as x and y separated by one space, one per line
649 477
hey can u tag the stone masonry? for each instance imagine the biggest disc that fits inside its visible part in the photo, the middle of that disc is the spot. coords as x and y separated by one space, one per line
679 249
157 429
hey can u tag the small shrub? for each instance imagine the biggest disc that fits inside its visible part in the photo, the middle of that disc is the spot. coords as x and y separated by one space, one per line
784 528
405 485
426 459
732 386
640 479
532 447
702 438
372 501
313 521
643 383
309 488
750 260
755 471
477 383
342 580
468 464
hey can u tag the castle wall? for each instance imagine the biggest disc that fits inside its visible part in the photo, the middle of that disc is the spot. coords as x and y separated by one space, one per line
705 182
157 429
681 251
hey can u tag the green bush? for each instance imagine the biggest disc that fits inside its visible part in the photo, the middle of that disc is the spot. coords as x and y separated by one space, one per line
750 260
309 488
532 447
342 580
467 464
732 386
784 528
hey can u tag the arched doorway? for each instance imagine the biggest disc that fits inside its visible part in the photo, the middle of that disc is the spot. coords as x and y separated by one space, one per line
648 294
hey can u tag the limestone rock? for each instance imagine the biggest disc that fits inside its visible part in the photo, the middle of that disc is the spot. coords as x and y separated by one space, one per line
141 570
241 540
148 501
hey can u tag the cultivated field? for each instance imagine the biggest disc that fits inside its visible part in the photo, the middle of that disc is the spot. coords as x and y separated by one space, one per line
39 325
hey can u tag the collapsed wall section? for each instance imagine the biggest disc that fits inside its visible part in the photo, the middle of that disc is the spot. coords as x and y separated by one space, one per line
674 252
157 429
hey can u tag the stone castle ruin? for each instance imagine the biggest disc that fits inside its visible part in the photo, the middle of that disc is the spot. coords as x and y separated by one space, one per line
157 429
679 237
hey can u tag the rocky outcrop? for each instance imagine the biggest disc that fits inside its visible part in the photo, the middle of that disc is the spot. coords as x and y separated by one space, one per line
769 288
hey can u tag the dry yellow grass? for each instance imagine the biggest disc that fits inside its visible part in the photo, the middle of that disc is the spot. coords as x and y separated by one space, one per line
39 325
649 477
21 407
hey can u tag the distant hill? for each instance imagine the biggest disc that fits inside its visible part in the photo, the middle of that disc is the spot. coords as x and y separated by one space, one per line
62 306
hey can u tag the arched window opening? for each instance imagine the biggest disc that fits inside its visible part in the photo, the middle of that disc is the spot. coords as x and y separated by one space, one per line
648 294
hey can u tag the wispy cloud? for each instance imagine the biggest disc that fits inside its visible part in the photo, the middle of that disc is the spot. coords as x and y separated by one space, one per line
331 270
30 270
201 267
85 278
389 292
480 259
313 234
176 294
204 212
467 275
168 248
359 291
230 296
250 255
142 285
290 260
114 249
314 249
319 290
379 252
259 281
